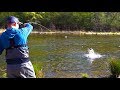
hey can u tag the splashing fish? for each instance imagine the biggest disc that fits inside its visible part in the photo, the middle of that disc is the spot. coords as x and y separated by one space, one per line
92 55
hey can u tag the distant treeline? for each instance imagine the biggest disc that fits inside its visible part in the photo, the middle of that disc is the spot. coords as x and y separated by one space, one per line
69 21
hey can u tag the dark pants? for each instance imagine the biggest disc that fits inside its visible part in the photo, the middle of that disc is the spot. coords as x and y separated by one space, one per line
24 70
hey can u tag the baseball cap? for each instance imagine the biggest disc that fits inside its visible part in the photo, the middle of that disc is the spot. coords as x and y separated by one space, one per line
12 19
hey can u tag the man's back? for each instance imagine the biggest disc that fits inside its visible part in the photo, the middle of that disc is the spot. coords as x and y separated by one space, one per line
19 35
14 41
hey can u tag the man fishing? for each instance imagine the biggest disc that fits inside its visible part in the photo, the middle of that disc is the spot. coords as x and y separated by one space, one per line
14 41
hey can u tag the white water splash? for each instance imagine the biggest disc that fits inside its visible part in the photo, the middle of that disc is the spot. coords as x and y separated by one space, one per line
92 55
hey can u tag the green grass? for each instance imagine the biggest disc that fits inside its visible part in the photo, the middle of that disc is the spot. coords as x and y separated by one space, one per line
38 69
4 75
114 65
84 75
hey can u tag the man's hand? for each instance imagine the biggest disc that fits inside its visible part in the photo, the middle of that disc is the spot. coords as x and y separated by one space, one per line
25 24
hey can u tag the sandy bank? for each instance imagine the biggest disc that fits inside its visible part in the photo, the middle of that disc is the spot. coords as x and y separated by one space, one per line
78 33
73 32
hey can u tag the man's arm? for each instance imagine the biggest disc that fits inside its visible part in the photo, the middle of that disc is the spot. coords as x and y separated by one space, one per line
27 29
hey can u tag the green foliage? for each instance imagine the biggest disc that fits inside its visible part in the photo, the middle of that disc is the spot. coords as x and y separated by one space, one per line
38 69
114 67
23 16
4 75
84 75
88 21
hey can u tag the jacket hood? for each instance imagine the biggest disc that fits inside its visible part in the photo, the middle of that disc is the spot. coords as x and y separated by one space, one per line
10 32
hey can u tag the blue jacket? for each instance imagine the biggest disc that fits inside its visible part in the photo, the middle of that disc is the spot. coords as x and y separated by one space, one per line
20 36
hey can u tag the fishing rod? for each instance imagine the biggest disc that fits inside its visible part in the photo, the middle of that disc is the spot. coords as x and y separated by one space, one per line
35 23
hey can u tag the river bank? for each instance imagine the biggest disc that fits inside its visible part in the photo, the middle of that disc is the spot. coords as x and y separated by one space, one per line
78 33
72 32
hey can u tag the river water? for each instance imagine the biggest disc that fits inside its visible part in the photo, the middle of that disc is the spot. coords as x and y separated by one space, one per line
63 55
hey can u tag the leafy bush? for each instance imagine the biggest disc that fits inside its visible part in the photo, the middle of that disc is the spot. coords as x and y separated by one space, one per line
114 65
